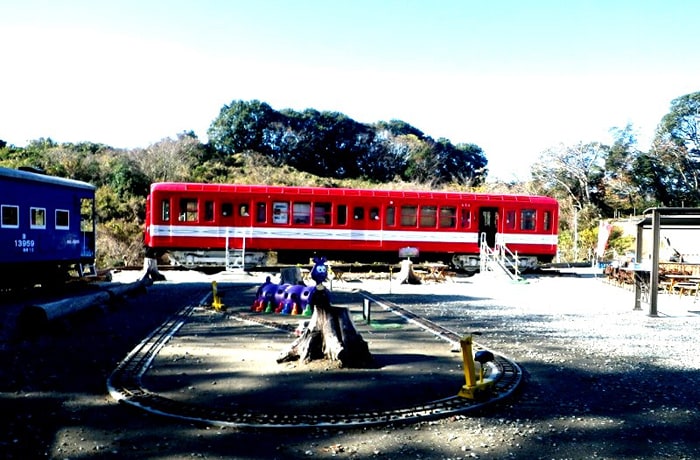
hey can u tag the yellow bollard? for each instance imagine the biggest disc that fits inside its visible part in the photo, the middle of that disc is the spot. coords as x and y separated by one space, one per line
473 388
216 299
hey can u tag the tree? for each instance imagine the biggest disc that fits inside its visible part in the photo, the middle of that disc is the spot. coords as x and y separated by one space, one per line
575 176
330 144
240 126
461 163
673 165
170 159
575 171
680 125
329 335
625 168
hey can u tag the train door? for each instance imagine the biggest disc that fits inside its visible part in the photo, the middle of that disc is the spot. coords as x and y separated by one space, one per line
488 225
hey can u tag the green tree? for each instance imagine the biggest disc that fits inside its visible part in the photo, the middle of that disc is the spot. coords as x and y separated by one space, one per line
626 192
460 163
680 125
240 127
330 144
672 168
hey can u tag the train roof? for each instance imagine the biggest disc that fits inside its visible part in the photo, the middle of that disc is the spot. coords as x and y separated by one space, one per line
43 178
344 192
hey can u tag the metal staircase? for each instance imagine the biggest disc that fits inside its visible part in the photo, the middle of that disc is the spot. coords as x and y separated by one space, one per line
498 259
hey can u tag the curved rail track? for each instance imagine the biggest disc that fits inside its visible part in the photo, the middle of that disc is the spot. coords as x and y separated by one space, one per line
125 386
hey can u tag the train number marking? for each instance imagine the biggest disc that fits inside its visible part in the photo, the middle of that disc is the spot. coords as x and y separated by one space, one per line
26 245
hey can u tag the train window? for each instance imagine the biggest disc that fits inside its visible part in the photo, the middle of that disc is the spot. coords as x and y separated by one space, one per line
37 218
280 212
165 210
358 213
243 210
188 210
527 219
322 213
62 219
10 216
409 216
226 209
342 216
209 211
547 220
302 213
428 216
466 221
390 216
510 219
448 217
374 213
261 213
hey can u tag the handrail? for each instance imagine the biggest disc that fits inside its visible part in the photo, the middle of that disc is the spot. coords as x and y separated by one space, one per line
499 254
505 252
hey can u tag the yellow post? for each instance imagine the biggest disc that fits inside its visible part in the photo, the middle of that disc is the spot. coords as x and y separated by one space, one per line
216 299
469 371
472 389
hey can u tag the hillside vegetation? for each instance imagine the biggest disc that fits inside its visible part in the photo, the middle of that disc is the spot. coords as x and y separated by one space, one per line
251 143
123 178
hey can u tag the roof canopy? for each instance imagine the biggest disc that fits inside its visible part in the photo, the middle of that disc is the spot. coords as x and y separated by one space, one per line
671 217
646 281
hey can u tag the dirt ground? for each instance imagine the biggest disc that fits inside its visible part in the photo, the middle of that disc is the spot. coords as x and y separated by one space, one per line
601 379
409 365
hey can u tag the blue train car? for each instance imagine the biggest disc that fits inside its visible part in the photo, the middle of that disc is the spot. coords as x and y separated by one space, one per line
47 227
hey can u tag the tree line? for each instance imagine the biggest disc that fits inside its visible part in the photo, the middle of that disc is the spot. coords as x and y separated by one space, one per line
249 142
594 181
330 144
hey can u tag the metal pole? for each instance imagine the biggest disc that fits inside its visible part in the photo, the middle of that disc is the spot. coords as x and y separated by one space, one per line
654 271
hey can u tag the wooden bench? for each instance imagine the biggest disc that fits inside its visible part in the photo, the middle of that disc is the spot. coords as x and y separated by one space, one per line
687 288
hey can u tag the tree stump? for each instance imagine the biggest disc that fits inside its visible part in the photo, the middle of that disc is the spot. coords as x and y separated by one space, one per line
330 335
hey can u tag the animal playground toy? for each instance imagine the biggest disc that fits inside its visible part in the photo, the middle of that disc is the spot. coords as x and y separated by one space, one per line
290 299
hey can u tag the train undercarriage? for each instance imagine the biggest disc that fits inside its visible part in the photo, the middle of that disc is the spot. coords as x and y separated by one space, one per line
469 264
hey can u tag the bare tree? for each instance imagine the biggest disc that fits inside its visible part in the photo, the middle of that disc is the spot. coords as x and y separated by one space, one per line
169 159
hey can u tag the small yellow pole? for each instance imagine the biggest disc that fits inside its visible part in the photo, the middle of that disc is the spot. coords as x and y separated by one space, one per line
468 360
473 389
216 299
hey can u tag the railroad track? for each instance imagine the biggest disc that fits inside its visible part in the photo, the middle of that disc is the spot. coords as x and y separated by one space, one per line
125 386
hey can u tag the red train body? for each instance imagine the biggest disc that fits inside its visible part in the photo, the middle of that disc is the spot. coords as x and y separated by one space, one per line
215 224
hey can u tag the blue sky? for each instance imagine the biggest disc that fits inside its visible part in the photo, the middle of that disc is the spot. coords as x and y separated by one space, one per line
513 77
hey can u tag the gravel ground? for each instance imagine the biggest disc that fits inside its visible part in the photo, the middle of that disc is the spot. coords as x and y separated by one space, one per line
602 380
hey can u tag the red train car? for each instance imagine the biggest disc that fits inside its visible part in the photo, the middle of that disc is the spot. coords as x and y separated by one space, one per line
215 224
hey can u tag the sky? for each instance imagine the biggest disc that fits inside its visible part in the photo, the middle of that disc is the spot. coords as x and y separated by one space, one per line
515 78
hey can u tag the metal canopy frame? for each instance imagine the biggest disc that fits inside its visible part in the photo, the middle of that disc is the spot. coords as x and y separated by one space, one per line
659 218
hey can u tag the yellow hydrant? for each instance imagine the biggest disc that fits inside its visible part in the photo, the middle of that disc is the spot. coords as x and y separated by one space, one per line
474 388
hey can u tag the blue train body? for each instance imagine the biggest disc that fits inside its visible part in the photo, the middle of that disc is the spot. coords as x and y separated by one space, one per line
47 227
